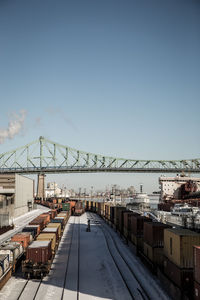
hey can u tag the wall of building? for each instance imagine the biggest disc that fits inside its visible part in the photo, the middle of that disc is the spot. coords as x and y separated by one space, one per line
171 186
6 209
24 189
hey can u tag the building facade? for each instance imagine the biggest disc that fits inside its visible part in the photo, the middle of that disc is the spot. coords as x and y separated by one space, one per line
16 196
173 188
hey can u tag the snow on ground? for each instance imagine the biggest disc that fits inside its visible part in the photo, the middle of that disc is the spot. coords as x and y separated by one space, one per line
21 221
99 277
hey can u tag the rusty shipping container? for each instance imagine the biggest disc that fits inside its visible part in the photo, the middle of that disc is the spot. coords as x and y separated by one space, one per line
178 246
154 233
137 224
196 257
39 252
23 238
183 278
46 218
47 215
196 290
38 222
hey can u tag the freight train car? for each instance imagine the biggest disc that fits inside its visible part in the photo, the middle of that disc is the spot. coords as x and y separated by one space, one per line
38 259
78 209
40 254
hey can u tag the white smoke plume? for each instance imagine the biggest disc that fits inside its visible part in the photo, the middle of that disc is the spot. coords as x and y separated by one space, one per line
15 125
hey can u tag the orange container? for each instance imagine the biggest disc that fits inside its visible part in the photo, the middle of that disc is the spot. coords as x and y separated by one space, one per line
72 204
22 238
45 219
46 215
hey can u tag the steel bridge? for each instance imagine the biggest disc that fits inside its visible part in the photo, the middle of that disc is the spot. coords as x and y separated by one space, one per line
45 156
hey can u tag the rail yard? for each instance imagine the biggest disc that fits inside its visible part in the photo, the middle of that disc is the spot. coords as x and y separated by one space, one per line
92 250
87 264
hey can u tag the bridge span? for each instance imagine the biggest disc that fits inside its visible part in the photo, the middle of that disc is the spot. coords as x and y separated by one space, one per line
45 156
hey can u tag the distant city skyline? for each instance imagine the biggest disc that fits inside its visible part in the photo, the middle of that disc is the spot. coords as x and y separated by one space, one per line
116 78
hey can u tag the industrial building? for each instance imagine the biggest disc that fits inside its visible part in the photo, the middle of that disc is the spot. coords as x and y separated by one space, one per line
178 187
16 197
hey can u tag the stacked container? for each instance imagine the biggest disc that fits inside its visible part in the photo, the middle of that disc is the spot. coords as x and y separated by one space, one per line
196 272
24 238
55 225
64 215
112 214
121 219
38 221
99 208
39 252
137 231
154 242
33 229
44 236
14 250
127 223
47 217
117 211
178 260
107 211
4 263
52 230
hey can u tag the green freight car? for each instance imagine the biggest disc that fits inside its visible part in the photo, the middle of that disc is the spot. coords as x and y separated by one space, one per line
66 206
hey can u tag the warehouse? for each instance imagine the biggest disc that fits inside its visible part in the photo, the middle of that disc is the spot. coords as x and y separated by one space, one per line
16 196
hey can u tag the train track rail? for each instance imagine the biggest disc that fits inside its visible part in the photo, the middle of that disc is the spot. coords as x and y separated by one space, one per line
29 290
76 244
132 283
31 287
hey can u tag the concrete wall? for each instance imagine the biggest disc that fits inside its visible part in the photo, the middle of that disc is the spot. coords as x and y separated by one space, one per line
24 188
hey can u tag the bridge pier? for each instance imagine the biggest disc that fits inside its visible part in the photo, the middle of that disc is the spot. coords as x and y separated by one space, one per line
40 186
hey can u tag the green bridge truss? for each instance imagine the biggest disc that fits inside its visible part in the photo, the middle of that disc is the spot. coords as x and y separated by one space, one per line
45 156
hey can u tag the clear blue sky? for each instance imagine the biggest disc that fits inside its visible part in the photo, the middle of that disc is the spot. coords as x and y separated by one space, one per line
119 78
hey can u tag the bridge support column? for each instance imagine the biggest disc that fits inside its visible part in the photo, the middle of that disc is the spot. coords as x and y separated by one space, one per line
40 186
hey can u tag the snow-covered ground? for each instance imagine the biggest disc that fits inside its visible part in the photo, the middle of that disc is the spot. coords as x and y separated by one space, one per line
21 221
83 263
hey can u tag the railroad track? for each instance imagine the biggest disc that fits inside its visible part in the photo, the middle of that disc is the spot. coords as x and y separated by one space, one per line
75 244
132 283
31 287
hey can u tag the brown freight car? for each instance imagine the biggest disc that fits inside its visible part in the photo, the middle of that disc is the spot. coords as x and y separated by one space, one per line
38 259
